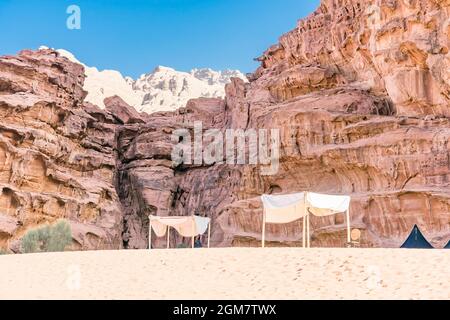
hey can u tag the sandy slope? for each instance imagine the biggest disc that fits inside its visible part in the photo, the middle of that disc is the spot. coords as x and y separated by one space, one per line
235 273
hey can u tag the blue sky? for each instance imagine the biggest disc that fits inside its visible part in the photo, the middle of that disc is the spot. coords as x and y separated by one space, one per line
134 36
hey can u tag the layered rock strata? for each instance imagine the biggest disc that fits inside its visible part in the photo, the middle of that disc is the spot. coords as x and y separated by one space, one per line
359 92
57 156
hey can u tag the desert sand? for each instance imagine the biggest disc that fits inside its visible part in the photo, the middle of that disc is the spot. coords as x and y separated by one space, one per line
231 273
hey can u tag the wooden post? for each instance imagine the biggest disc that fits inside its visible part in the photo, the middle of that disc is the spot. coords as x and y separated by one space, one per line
348 226
168 237
149 233
209 232
264 229
307 231
305 222
304 226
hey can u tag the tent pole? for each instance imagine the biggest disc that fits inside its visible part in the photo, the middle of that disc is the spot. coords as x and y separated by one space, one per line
264 229
168 237
307 228
348 226
209 232
149 233
304 228
307 220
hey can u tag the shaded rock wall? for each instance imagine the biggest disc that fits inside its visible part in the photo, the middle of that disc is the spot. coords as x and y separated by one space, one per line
56 156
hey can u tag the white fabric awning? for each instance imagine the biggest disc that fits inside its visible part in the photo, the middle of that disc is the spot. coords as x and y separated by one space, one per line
186 226
291 207
202 224
325 205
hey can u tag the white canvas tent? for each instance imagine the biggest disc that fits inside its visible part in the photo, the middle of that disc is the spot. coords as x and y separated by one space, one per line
186 226
280 209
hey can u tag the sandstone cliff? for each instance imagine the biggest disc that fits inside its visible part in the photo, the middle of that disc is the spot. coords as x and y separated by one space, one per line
359 91
56 155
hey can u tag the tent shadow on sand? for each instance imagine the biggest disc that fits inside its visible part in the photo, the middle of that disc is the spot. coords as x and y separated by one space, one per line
416 240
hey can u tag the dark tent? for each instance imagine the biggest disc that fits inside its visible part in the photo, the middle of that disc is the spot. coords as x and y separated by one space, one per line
447 246
416 240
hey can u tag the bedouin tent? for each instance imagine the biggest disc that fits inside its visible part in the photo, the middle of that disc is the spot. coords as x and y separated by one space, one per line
186 226
416 240
280 209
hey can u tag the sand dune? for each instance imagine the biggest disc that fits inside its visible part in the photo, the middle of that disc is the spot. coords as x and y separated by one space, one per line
233 273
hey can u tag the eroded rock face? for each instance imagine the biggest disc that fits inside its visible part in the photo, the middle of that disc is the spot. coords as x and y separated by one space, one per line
362 101
398 47
56 156
121 111
149 182
359 92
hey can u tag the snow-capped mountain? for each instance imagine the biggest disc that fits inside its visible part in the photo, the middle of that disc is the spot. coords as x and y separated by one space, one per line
163 89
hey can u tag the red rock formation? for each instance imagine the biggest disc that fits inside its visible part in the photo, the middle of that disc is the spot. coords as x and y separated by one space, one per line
121 111
361 97
359 91
56 156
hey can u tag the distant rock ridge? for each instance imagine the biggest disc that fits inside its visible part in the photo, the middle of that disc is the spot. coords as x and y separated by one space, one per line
163 89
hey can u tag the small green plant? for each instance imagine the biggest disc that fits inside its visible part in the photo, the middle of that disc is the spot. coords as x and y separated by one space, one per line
49 238
60 236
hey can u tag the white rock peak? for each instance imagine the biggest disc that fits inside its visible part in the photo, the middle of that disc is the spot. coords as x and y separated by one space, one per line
163 89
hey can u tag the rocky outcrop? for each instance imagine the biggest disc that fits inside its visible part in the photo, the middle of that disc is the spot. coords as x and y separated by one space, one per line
359 91
121 111
56 155
361 97
398 48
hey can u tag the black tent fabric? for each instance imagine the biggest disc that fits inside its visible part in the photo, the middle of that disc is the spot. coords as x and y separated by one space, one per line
416 240
447 246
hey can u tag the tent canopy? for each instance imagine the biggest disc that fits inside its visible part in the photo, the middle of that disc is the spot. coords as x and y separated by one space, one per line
291 207
189 226
325 205
284 208
416 240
